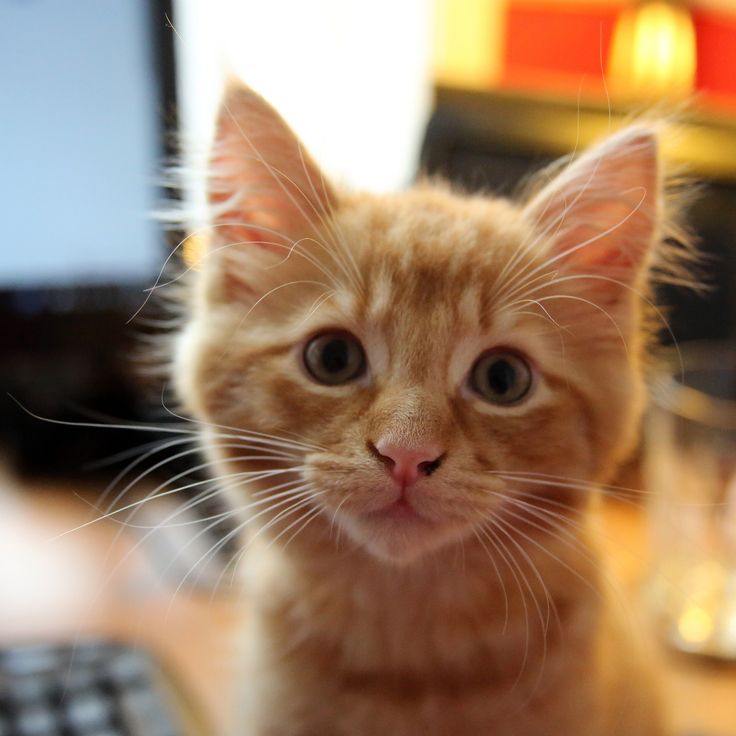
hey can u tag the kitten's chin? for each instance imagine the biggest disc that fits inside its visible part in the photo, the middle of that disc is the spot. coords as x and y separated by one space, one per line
400 537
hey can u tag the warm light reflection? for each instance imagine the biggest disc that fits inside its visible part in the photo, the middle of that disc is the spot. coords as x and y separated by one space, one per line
653 52
193 250
695 625
468 42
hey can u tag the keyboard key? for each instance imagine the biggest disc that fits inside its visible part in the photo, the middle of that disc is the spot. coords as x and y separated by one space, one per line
90 653
88 712
78 679
146 714
36 721
28 689
28 660
127 668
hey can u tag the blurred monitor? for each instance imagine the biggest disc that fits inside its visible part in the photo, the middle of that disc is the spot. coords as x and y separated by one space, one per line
79 145
88 93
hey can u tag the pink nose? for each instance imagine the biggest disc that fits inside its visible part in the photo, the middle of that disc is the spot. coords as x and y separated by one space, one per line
407 463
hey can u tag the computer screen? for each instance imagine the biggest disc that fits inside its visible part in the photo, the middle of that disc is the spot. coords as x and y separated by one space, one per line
80 143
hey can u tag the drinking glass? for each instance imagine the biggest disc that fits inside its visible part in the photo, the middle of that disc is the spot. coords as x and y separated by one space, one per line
690 479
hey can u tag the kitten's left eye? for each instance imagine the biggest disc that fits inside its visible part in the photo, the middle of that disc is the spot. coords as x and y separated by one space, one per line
501 377
334 358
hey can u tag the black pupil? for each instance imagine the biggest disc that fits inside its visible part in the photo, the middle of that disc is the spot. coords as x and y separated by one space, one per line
501 377
335 356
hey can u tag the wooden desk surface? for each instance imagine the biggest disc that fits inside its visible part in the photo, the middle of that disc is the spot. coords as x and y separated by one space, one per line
96 581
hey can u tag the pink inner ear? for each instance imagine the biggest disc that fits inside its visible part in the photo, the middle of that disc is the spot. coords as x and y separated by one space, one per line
260 220
600 213
613 235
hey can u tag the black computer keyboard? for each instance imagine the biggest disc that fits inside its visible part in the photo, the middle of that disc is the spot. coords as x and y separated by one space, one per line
88 689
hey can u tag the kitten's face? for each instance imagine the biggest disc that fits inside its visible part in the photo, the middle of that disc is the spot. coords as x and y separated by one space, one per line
431 352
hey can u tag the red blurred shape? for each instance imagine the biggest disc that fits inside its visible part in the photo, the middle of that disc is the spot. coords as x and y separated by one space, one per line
558 44
716 52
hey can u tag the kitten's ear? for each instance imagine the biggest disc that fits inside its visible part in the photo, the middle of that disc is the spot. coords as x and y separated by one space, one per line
264 188
600 214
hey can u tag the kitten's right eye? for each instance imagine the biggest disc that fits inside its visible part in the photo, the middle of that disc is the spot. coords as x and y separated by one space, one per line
334 358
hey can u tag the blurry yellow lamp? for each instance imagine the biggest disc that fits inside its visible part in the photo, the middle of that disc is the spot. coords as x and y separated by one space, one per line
653 52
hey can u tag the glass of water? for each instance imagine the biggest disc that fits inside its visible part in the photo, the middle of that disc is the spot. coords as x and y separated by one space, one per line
690 478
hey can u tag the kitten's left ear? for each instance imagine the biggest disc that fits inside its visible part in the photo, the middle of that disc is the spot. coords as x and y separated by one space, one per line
601 214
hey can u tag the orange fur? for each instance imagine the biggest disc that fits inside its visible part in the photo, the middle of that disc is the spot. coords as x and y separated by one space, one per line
486 611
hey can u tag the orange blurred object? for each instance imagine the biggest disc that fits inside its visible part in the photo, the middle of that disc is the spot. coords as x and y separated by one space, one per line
556 46
673 51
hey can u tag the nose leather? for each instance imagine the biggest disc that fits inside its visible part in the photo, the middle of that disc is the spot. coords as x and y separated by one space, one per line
406 463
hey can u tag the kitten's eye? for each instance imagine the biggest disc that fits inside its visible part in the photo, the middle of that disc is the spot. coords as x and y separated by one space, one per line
501 377
334 358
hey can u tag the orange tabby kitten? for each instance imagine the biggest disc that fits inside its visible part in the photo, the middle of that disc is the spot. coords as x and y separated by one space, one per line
407 397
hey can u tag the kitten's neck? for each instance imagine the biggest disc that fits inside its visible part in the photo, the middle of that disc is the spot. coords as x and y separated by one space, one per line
451 614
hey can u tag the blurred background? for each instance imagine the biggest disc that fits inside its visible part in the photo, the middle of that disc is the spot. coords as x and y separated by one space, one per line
97 97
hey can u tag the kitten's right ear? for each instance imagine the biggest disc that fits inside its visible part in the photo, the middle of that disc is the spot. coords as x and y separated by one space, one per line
265 191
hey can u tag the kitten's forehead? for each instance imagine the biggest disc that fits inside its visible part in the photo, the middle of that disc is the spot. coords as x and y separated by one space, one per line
444 223
430 256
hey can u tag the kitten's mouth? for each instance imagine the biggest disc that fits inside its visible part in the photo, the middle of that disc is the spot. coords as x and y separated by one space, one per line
400 510
403 528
